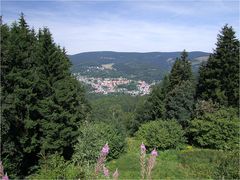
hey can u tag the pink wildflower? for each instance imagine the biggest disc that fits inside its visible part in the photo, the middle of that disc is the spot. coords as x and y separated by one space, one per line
142 159
105 149
151 163
154 153
105 171
143 148
5 177
115 175
101 159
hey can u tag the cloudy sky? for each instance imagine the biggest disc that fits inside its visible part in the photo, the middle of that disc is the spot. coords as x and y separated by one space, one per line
128 25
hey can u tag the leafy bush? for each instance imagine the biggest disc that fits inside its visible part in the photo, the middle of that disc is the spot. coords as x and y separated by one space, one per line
200 163
55 167
228 167
219 130
161 134
92 137
203 107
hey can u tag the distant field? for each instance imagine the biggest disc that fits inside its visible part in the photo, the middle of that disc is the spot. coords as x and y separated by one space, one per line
108 66
171 164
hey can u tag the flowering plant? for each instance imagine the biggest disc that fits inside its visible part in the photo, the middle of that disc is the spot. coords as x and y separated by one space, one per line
4 177
151 162
100 167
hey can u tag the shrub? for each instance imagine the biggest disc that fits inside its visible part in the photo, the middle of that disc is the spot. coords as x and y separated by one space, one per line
228 167
92 137
203 107
161 134
200 163
55 167
219 130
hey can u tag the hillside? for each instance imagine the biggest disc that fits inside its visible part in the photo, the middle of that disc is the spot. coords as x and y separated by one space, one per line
149 66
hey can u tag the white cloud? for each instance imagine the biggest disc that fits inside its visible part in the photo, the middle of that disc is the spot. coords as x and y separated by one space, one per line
114 32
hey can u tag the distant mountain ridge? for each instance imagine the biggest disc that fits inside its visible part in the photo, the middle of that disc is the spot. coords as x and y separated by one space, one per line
148 66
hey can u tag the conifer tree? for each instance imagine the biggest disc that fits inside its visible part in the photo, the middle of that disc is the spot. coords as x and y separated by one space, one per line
42 103
181 71
219 78
63 105
179 103
179 100
18 97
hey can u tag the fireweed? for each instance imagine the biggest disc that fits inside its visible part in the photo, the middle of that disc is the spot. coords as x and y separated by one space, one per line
100 167
4 177
151 162
142 159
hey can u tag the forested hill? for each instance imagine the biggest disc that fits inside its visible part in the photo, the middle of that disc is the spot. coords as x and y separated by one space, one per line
146 66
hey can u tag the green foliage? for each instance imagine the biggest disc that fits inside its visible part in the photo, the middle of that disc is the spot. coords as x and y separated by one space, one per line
118 110
153 107
181 71
202 107
219 78
179 103
202 162
228 168
42 104
92 138
161 134
130 87
219 130
190 163
55 167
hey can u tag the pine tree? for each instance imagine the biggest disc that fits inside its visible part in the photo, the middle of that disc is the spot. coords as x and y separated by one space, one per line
219 78
180 97
181 71
42 103
179 103
156 99
18 79
62 106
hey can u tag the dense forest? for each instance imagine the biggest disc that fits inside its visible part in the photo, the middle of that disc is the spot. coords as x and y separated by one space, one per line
51 128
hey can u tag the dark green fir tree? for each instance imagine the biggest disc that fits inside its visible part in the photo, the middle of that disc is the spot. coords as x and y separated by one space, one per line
219 77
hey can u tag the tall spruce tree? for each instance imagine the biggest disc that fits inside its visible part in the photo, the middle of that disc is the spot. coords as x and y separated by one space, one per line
219 78
63 105
181 71
42 103
180 98
18 97
179 103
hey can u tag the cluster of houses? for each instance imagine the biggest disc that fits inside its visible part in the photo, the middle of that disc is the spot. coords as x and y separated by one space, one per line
111 85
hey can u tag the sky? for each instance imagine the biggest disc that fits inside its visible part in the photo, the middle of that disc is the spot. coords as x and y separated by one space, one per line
128 25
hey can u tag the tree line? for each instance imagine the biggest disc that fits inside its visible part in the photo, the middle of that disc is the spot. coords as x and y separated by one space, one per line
177 96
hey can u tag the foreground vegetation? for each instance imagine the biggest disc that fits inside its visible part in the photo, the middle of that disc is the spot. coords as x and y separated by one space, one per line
187 163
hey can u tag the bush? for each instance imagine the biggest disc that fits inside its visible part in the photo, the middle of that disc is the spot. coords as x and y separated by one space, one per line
219 130
203 107
55 167
161 134
228 167
92 137
200 163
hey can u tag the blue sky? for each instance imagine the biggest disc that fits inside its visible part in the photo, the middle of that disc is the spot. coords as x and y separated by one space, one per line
128 25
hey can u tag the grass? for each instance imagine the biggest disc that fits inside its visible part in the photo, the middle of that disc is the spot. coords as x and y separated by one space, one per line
171 164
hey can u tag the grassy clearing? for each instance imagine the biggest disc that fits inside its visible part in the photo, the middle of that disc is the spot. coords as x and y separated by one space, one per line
171 164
